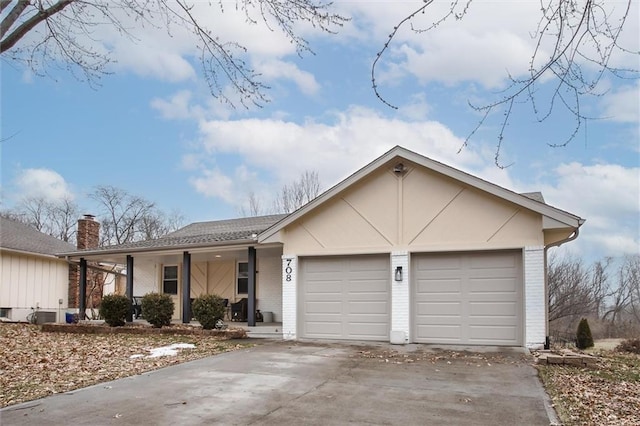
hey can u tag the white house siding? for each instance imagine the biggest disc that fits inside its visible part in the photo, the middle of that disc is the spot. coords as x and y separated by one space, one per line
145 278
269 286
400 322
289 297
33 281
535 311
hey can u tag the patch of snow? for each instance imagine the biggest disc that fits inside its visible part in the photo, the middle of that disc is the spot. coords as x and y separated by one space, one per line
170 350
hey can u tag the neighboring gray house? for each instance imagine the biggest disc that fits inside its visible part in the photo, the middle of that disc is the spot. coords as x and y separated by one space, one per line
31 276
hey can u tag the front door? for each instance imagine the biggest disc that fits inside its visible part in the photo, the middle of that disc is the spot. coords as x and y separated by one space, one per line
171 286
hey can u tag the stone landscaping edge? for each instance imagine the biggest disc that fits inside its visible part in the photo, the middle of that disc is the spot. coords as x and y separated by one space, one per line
232 333
566 357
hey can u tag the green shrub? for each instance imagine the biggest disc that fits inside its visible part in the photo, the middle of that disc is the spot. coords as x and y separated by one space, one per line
584 339
208 309
629 345
157 309
114 309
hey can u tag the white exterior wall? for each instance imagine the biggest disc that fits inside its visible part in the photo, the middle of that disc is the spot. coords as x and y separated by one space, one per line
289 297
28 282
270 286
400 299
535 311
145 277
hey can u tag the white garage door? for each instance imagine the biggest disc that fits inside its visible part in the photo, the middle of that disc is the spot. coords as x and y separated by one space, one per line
345 297
469 298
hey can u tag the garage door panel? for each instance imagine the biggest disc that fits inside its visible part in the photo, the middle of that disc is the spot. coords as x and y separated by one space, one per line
489 334
355 301
443 333
439 286
477 303
438 308
371 286
368 307
492 309
493 285
494 261
325 329
433 265
367 331
323 307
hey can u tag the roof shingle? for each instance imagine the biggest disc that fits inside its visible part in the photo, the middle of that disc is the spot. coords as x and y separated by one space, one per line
18 236
201 233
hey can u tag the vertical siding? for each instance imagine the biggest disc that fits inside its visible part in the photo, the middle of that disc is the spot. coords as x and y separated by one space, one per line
535 300
27 281
198 279
144 278
221 278
289 297
269 284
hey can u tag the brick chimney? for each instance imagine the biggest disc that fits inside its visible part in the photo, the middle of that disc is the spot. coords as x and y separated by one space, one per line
88 237
88 232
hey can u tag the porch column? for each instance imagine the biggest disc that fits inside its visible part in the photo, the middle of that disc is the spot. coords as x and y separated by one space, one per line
82 290
186 287
130 287
251 291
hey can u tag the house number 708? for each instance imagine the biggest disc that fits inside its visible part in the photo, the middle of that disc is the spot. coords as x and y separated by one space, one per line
288 270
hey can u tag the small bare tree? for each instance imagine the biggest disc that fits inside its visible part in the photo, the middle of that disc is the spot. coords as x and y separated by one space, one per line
126 218
253 207
298 193
570 293
53 217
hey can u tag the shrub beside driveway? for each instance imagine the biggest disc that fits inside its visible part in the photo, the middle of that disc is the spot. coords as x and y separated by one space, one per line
34 364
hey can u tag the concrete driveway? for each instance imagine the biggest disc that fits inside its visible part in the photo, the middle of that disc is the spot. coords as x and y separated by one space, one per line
311 383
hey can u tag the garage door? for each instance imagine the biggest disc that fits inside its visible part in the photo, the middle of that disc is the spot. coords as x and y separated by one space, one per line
345 297
469 298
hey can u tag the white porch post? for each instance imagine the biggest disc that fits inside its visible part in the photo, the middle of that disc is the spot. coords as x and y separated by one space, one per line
535 299
400 299
289 297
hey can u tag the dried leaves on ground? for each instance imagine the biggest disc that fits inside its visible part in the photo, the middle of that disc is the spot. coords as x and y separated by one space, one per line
607 393
34 364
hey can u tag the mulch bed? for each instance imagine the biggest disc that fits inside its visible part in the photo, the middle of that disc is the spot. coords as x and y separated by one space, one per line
176 330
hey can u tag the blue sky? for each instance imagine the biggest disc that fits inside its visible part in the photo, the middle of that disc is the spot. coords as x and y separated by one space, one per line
153 129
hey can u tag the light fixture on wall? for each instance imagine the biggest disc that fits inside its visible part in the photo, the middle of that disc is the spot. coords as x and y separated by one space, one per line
399 273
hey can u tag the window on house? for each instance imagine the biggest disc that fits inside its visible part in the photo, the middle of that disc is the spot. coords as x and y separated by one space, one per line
170 280
243 278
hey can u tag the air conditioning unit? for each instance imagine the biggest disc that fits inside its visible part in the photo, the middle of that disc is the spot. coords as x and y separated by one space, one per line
45 316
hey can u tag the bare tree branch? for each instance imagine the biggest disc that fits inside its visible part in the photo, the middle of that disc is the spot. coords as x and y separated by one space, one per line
62 35
585 35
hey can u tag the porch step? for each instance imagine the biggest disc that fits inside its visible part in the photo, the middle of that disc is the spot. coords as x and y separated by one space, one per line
265 332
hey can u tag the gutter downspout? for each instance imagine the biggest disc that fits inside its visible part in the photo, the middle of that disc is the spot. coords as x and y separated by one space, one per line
547 342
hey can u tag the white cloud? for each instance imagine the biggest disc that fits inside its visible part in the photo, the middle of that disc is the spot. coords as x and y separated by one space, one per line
45 183
275 69
623 104
214 183
277 151
608 197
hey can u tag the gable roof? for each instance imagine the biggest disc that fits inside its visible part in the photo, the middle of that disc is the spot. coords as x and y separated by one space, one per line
19 237
198 234
532 201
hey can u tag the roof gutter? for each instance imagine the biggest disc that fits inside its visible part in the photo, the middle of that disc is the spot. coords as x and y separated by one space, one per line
70 255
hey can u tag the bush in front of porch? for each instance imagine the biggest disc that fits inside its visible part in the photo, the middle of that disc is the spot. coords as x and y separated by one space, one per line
208 309
114 309
157 309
